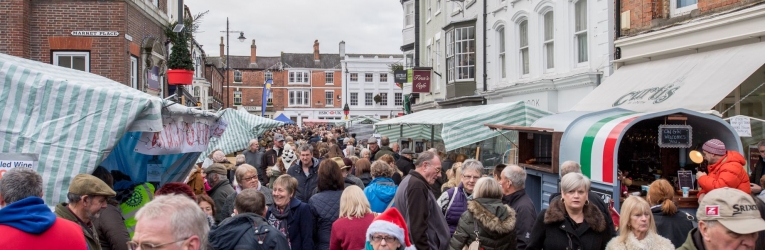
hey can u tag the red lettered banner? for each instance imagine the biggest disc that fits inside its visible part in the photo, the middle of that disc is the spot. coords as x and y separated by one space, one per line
180 136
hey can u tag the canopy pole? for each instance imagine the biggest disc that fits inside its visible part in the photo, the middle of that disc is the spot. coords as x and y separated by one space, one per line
400 131
432 134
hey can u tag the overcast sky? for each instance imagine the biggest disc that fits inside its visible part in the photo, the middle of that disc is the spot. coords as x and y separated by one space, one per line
291 26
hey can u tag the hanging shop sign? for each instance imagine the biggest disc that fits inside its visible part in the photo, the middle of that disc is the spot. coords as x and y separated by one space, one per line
421 81
675 136
95 33
153 78
742 125
9 161
181 134
399 76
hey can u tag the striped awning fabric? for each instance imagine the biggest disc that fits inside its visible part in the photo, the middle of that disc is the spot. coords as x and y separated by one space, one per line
459 127
71 119
242 127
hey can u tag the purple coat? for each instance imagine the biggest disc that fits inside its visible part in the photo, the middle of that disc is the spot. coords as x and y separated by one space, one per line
457 208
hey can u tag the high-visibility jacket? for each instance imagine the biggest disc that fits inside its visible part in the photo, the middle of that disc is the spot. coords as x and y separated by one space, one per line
142 194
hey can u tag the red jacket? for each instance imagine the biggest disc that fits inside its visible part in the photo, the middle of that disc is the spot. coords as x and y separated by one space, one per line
728 172
63 234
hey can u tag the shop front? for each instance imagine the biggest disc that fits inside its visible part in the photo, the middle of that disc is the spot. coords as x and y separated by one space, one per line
645 145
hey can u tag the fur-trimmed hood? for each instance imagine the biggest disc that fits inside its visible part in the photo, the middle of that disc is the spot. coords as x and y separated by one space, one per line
652 241
493 215
557 213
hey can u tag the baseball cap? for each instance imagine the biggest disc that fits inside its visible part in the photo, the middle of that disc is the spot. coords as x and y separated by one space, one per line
340 162
278 137
85 184
733 208
216 168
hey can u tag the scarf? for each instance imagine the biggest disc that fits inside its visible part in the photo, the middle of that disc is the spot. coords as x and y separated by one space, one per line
279 219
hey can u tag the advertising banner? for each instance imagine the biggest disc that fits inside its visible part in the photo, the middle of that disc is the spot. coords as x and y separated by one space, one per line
181 134
9 161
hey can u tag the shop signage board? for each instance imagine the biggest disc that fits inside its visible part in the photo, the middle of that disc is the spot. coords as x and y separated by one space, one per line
153 78
330 112
94 33
675 136
685 178
421 81
754 156
9 161
742 125
400 76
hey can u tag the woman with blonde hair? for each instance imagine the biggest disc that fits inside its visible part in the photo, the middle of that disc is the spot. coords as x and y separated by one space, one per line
670 223
637 229
355 214
486 219
453 176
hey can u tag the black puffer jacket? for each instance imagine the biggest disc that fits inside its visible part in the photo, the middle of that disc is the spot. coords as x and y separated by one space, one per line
555 230
325 207
240 232
496 225
306 184
673 227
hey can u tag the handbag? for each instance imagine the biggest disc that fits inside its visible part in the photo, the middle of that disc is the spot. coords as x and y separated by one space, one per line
476 244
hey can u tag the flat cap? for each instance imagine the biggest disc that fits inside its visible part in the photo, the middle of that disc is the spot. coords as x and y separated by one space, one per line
216 168
407 151
372 140
85 184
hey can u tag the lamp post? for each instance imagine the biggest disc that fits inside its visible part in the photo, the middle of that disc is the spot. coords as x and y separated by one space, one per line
346 109
228 68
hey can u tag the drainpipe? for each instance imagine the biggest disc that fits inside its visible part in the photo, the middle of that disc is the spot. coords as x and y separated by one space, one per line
416 57
484 45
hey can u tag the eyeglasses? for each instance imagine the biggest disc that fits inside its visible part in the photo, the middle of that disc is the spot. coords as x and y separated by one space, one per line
378 238
132 245
246 179
468 177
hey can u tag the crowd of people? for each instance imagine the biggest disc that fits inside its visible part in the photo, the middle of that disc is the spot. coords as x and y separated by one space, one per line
319 188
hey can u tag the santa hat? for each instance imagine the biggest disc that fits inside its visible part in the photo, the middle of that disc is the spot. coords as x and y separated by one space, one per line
392 223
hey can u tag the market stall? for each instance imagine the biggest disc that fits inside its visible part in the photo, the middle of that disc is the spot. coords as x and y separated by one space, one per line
63 122
648 145
362 126
456 128
240 129
283 118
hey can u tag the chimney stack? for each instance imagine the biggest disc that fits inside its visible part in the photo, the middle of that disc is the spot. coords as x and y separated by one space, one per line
316 50
222 48
342 50
253 52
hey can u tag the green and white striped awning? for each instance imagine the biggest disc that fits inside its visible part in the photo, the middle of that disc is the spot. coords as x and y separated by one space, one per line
71 119
242 127
459 127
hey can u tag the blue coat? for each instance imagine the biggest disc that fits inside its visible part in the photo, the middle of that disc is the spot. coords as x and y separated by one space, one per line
325 207
299 224
380 193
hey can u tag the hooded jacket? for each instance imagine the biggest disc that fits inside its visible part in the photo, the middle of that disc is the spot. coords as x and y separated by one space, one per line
496 225
29 224
380 193
91 236
555 230
306 184
652 241
673 227
728 172
247 231
526 214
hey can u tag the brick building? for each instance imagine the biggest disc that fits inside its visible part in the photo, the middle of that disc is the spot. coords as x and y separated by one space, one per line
697 54
122 40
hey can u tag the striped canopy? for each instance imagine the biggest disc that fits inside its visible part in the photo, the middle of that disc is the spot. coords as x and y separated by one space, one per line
71 119
459 127
242 127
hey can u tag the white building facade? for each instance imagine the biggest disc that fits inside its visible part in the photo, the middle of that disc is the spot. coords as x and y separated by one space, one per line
200 87
547 53
368 76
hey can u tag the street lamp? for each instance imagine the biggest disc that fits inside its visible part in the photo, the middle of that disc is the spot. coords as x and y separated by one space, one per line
346 109
228 68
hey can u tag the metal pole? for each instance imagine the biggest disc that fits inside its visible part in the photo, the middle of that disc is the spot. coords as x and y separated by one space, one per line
228 86
432 134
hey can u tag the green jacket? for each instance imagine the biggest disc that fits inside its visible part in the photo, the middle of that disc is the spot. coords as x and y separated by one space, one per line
693 242
496 225
384 151
91 235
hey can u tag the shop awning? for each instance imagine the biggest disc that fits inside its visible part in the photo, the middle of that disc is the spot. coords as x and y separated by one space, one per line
697 81
459 127
283 118
73 119
242 127
593 138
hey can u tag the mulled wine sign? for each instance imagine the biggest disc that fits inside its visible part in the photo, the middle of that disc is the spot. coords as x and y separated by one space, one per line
675 136
421 81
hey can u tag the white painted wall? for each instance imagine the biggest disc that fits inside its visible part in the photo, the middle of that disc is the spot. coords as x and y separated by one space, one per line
374 65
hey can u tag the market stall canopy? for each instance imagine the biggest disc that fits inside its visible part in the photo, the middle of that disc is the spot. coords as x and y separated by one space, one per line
592 138
71 120
284 119
242 127
362 126
696 81
459 127
363 120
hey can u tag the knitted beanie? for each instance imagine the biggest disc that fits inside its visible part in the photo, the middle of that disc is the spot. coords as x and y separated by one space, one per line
714 146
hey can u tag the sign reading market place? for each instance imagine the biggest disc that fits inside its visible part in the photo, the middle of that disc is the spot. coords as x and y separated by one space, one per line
421 81
95 33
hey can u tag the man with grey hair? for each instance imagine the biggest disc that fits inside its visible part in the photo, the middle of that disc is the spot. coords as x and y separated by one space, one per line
26 222
574 167
416 202
513 182
173 221
385 148
759 170
254 157
87 198
220 189
305 171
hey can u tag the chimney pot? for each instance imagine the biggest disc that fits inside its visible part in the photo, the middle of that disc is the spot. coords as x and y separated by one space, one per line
342 49
253 53
316 50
